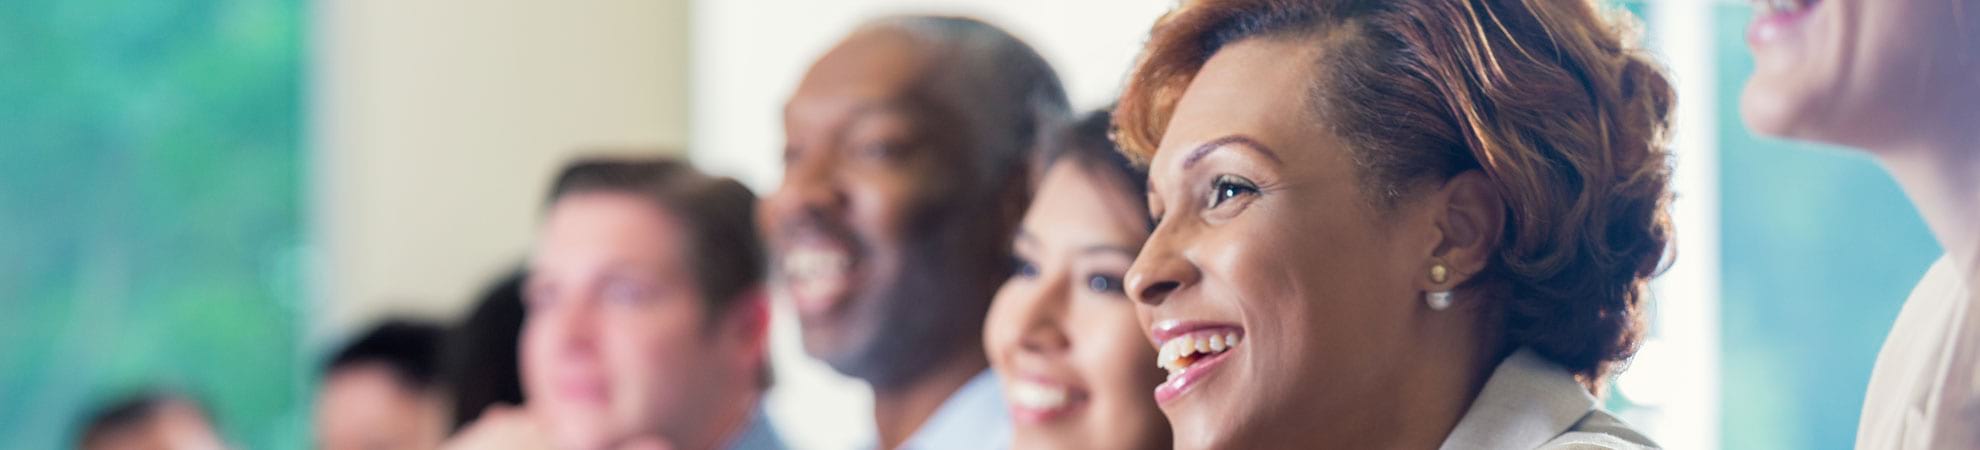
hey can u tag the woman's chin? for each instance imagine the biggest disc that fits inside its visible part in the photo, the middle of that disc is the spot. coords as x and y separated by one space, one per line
1770 110
1204 431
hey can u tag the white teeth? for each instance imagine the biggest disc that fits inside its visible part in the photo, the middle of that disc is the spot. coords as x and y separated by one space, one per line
1173 354
1768 7
1037 396
813 273
806 264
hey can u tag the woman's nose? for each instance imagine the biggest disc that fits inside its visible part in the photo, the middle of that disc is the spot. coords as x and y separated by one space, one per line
1044 318
1159 271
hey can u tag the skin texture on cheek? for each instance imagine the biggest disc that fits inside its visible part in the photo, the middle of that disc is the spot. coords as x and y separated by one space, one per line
923 270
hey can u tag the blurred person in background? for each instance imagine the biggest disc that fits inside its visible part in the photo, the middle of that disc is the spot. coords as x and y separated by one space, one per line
1397 224
382 391
1898 79
905 174
1062 332
479 362
646 321
150 420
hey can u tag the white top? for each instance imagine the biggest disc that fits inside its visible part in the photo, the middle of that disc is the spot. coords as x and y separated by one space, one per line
1925 374
1532 403
973 418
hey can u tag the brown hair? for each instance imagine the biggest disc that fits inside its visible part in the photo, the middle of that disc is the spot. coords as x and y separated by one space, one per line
1085 142
1546 97
719 213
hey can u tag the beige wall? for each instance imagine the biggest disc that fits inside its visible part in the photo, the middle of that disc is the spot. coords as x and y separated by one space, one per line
438 123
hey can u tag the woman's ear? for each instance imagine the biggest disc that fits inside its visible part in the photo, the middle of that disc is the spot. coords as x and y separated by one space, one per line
1469 217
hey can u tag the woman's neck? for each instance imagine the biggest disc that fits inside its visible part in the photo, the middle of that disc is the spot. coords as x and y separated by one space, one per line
1430 397
1941 175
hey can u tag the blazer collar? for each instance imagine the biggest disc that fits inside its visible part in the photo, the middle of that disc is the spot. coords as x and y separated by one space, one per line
1527 402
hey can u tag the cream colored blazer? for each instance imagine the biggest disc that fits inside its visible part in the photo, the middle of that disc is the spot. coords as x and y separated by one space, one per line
1531 403
1922 392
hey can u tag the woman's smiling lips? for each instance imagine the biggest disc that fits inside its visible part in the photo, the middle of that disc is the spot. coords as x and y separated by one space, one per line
1774 20
1191 351
1037 400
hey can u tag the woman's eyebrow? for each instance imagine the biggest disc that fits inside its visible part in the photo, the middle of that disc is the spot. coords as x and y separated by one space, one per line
1241 141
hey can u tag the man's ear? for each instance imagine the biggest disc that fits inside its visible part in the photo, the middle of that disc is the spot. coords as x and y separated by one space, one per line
746 324
1469 216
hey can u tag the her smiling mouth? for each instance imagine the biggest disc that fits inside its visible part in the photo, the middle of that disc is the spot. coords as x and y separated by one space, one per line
1034 395
1190 352
1038 401
1180 352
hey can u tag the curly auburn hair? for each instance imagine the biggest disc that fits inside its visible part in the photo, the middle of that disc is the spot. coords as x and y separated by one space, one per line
1547 98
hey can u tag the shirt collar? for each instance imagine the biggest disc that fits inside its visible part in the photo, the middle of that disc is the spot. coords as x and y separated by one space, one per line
972 418
758 434
1527 402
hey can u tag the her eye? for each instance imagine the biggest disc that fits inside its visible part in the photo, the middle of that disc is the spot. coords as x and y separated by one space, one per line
1227 187
1105 284
1022 268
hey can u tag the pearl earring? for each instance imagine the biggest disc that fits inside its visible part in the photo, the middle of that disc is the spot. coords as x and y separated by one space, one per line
1438 300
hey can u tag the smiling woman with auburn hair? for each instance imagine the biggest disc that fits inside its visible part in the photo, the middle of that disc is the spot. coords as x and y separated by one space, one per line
1396 224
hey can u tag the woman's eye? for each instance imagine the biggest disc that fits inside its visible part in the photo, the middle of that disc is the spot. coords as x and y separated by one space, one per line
1104 284
1227 187
1022 268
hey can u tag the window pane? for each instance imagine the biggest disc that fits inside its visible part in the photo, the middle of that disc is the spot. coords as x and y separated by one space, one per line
149 212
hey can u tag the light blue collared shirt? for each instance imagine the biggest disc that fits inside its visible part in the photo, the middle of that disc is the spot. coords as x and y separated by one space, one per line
758 434
973 418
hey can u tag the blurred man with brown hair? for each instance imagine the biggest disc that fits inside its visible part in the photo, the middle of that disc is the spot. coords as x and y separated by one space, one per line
646 324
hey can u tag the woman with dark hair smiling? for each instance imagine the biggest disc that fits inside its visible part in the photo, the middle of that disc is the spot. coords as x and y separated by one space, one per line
1062 333
1396 224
